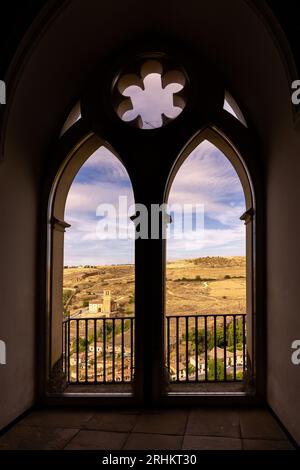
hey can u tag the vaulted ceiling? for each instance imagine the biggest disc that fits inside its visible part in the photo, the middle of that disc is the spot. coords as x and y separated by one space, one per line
56 59
20 14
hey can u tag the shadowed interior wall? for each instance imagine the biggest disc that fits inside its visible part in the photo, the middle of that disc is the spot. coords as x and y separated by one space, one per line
283 251
18 243
50 77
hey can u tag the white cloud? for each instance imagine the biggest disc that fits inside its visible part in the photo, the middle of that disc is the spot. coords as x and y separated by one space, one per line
152 102
206 177
213 242
84 197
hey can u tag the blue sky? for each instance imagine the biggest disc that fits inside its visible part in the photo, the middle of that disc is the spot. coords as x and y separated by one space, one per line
151 102
206 177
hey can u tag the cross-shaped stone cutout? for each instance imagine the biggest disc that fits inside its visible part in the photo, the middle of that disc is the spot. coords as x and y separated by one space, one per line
150 101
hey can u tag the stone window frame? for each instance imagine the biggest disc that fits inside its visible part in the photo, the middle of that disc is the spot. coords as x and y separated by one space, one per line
202 118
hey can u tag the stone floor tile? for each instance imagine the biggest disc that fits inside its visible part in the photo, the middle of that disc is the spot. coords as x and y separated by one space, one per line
58 418
162 422
22 437
211 443
260 424
112 421
265 444
139 441
213 422
97 440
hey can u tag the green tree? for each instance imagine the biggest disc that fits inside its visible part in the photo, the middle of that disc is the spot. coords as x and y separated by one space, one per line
81 345
200 340
108 330
240 375
220 337
191 369
238 332
211 370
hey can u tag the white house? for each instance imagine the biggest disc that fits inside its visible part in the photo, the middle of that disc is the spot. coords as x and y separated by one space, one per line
92 348
229 356
201 364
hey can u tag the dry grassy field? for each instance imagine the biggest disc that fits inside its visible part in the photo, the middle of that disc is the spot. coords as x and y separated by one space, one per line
210 285
83 284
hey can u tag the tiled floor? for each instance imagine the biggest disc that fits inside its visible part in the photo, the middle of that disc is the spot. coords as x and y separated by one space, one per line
194 429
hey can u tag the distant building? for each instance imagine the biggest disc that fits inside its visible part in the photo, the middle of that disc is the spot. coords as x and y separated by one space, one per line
229 356
94 307
107 306
201 364
98 348
181 371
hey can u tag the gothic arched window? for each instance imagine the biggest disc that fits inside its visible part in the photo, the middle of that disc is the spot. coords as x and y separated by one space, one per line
142 308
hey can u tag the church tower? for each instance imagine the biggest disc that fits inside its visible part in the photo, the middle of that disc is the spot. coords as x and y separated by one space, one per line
106 305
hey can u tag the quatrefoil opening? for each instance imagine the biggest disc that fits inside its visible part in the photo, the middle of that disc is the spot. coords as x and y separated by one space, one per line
151 97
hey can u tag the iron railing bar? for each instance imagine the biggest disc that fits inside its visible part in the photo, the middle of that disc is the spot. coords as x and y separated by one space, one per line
77 350
113 347
177 348
131 348
168 344
95 350
234 347
68 347
244 344
86 350
104 349
64 346
196 352
122 320
225 348
187 349
205 350
215 345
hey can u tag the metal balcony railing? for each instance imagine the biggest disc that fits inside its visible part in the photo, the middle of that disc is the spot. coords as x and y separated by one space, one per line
198 348
98 350
206 348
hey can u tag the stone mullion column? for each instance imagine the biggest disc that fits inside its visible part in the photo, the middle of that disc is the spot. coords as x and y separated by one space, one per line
57 380
250 282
